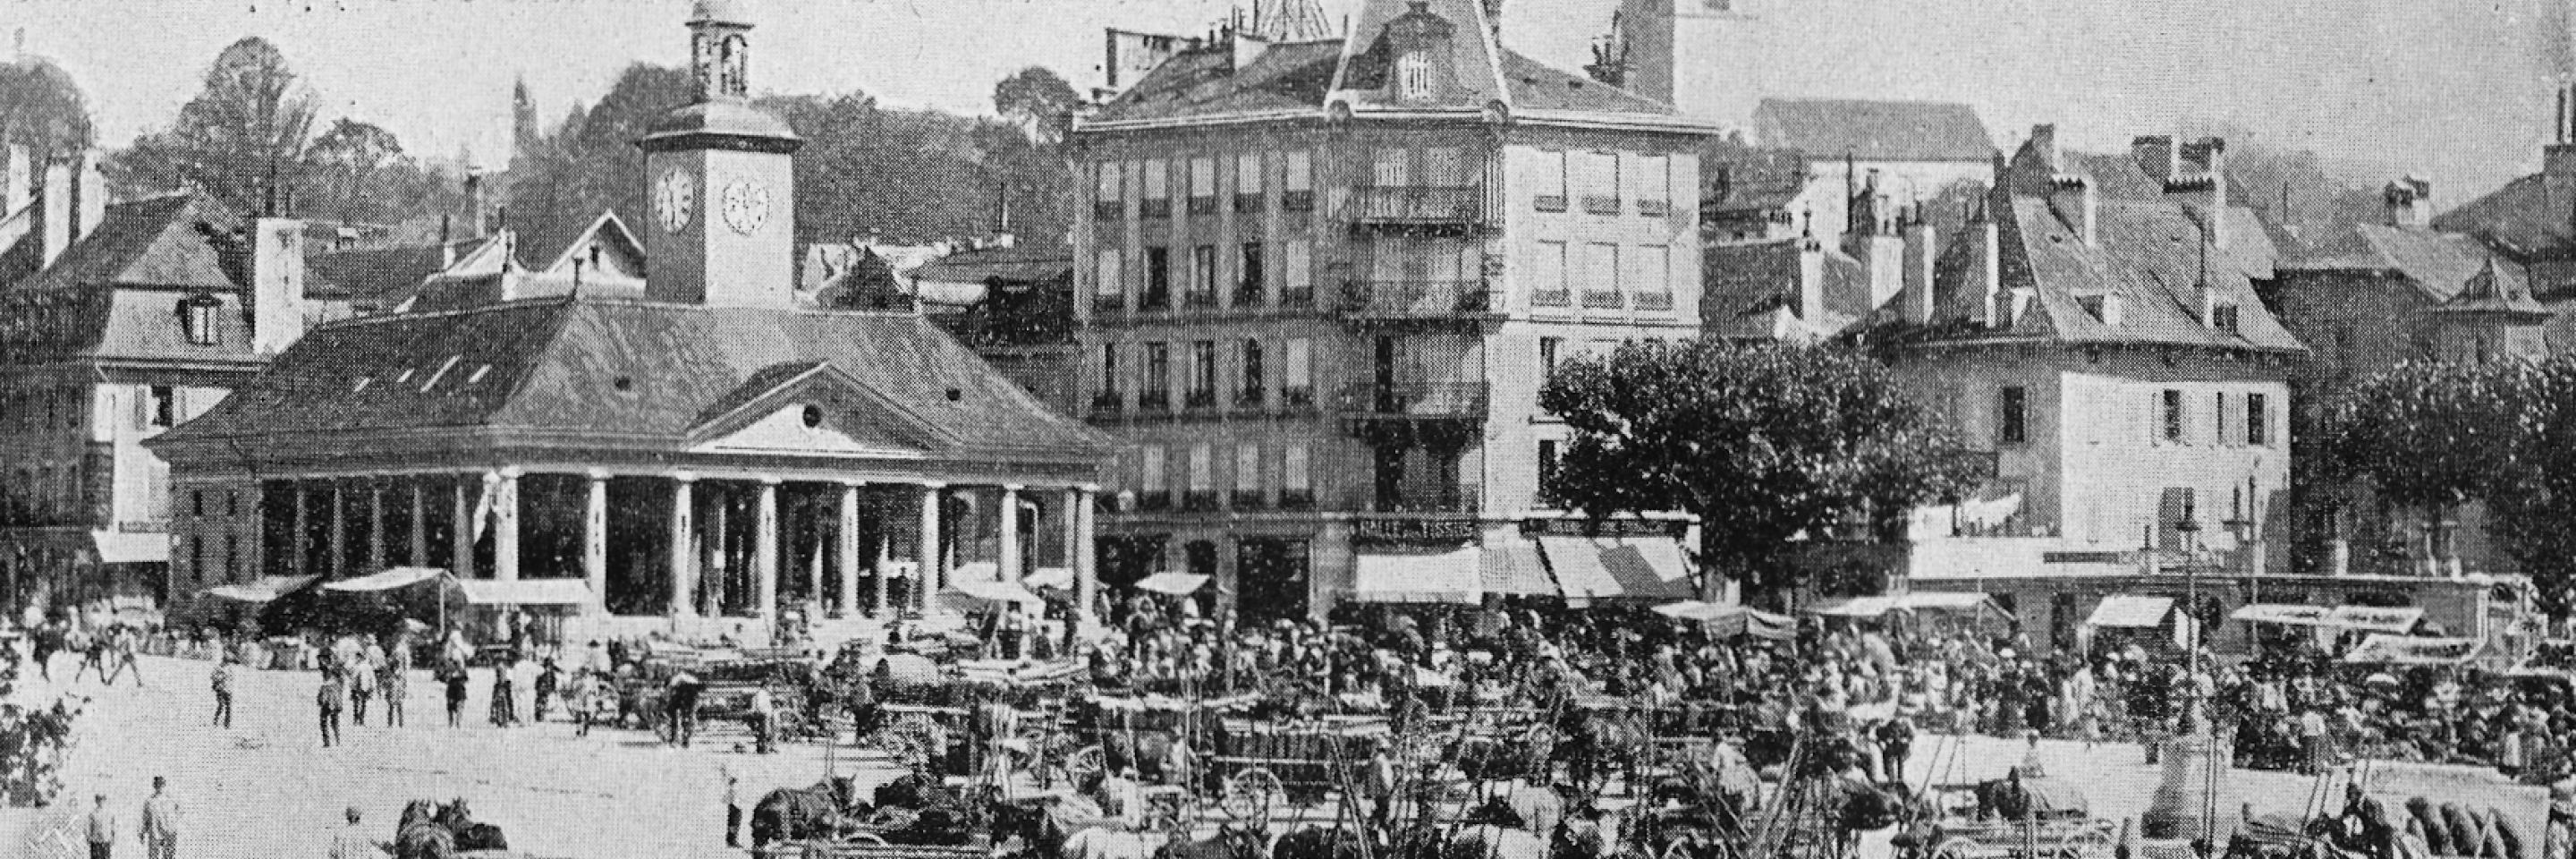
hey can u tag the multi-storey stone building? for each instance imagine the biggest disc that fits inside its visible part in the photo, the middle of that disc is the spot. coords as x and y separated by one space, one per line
1320 283
118 322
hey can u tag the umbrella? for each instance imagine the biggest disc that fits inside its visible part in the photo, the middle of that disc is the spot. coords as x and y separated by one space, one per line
911 667
2380 679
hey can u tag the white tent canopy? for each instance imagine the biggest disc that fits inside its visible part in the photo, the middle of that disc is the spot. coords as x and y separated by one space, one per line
262 590
2131 611
1176 584
2280 613
391 578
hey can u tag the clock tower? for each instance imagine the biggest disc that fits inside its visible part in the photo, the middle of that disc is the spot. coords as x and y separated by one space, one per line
721 181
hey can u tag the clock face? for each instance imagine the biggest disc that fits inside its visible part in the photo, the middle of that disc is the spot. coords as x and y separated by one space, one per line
746 206
673 199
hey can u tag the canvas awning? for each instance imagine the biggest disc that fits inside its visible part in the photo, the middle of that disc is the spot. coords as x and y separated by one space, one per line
2371 619
2131 611
1618 568
1059 578
2386 649
1511 566
263 589
991 591
119 547
525 591
1444 577
391 578
1729 620
1176 584
1920 601
2281 613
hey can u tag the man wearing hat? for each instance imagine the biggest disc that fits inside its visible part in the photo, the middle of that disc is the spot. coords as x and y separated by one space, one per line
1380 784
101 824
352 842
160 831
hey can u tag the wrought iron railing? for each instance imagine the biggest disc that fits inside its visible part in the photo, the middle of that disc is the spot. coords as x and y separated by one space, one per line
1416 399
1419 299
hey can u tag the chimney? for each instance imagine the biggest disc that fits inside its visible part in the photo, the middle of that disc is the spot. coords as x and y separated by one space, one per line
277 284
446 242
89 197
1920 250
55 212
1811 281
1985 267
1247 48
2154 154
2201 178
18 183
2074 199
2410 202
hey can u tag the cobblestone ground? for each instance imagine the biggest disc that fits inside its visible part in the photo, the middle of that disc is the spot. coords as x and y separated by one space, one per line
267 788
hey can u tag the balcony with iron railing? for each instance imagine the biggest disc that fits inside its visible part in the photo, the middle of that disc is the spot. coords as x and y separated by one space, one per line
1419 299
1199 400
1199 500
1296 499
1108 402
1416 400
1246 499
1418 206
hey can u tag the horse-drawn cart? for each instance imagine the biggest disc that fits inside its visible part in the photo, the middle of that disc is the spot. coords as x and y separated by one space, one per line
2032 818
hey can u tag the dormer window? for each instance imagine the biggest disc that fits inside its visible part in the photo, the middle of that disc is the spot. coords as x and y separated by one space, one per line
1413 74
2224 318
198 315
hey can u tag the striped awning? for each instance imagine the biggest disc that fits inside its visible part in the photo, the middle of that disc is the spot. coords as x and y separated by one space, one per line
1512 567
1618 568
1453 576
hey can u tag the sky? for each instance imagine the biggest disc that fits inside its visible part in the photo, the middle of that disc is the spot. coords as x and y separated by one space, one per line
2460 91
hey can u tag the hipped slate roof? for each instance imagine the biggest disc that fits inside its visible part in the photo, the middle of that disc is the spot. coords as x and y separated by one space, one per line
1299 78
2148 254
2522 218
2438 263
595 373
166 241
1874 130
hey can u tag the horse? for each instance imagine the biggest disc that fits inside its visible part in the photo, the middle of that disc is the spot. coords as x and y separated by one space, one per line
418 834
1230 842
796 814
1315 842
470 835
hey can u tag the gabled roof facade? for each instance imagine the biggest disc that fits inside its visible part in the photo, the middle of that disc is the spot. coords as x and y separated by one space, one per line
2523 218
117 293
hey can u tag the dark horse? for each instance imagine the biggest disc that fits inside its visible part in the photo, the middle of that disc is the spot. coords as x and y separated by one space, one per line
1597 742
470 835
796 814
418 834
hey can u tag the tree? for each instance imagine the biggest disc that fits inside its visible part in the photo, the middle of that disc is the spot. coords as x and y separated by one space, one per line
352 173
42 109
1763 442
240 139
2432 437
1040 101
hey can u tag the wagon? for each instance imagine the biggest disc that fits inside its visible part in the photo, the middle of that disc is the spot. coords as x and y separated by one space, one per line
2057 823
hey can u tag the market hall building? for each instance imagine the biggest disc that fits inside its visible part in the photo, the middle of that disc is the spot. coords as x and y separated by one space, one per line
700 444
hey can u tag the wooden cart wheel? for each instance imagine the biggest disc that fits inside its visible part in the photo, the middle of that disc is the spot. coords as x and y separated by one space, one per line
1955 847
1251 795
2085 843
1085 764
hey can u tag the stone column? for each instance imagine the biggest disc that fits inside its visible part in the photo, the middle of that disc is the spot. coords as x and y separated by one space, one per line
418 556
764 549
302 544
1009 561
927 583
461 539
1070 524
1086 576
594 541
719 554
339 532
684 553
375 527
848 546
505 523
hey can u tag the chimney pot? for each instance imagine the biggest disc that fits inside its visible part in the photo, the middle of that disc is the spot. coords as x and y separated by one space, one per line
277 284
55 218
18 184
89 191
